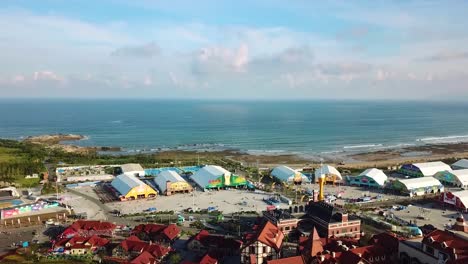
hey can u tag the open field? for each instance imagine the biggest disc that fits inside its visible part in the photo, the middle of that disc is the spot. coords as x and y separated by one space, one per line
10 154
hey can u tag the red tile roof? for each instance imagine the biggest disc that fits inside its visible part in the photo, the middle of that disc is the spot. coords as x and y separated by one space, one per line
92 225
169 231
453 244
214 240
356 255
389 241
144 258
134 244
207 259
367 252
269 235
78 246
290 260
93 241
86 227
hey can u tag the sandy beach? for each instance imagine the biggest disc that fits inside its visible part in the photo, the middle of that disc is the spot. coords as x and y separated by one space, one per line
345 159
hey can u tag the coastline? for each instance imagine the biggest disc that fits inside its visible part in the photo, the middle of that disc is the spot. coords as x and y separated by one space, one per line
59 141
382 158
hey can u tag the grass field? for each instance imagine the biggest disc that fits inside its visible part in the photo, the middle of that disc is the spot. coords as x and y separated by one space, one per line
10 154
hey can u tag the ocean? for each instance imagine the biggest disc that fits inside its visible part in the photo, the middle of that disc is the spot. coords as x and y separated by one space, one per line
258 127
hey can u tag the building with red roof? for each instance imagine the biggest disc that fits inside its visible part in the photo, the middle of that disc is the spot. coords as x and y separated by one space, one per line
310 246
214 244
208 259
88 228
162 234
390 242
133 247
80 245
263 244
358 255
290 260
144 258
330 221
439 246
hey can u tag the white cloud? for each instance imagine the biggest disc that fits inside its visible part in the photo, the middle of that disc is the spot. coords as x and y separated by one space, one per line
146 51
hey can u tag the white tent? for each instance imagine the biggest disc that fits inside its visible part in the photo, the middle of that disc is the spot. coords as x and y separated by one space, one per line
167 176
377 175
326 170
461 164
287 174
431 168
133 169
454 177
209 173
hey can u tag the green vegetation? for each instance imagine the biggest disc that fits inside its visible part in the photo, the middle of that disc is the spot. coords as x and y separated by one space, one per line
175 258
51 188
18 159
28 183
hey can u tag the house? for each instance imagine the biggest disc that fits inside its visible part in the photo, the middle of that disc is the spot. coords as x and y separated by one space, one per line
214 244
162 234
390 242
263 244
282 219
329 221
208 259
132 247
80 245
439 246
290 260
88 228
359 255
144 258
311 246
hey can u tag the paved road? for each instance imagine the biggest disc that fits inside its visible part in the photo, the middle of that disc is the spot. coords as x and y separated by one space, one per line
106 210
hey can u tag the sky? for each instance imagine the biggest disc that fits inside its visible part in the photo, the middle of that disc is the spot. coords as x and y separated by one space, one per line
256 49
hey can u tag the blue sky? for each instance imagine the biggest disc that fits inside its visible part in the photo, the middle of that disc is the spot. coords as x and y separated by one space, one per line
234 49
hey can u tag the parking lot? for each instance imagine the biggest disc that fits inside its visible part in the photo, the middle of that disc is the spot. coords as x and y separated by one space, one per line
227 201
428 214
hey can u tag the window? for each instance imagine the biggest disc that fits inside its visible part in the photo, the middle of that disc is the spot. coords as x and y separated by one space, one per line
344 230
252 249
287 228
430 250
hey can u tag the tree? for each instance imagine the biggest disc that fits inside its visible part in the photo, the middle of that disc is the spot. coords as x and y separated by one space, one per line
175 258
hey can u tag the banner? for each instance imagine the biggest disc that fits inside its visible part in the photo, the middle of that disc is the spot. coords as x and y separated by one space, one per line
450 198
